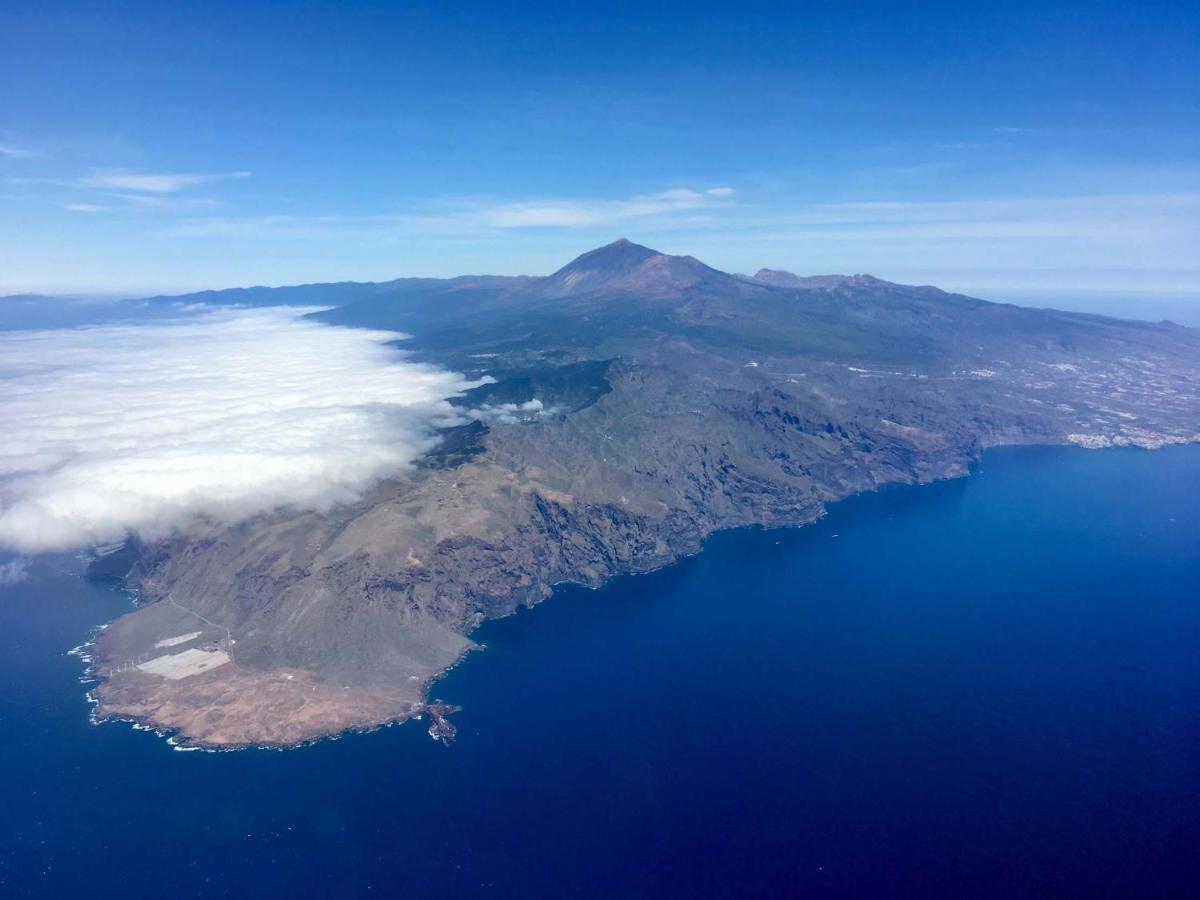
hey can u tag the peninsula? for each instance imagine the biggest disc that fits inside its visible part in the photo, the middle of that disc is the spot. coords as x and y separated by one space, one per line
655 400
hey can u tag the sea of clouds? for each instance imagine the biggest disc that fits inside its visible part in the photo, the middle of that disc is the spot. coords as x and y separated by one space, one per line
138 428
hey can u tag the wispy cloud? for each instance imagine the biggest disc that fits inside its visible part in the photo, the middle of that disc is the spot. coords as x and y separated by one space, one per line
1151 228
1135 232
14 572
119 191
1146 232
154 182
283 227
962 146
577 213
1047 217
679 207
1050 217
14 152
1121 241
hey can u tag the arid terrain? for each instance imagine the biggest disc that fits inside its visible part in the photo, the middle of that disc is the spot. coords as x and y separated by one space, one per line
673 401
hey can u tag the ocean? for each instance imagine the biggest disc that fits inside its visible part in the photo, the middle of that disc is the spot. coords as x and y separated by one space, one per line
988 687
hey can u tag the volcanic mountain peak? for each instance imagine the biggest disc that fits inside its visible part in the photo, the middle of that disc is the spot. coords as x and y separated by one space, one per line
624 266
621 256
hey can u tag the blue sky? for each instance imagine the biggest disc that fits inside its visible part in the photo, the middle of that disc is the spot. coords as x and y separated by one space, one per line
165 146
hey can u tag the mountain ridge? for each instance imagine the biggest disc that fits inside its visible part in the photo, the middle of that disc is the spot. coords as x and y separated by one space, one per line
781 278
473 290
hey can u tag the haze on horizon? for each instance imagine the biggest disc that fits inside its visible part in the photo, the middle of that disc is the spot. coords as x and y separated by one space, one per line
1036 148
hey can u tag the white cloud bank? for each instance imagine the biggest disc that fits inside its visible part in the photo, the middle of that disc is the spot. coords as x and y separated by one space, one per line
139 428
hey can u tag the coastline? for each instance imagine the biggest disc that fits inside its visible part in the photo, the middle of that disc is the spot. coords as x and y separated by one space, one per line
173 737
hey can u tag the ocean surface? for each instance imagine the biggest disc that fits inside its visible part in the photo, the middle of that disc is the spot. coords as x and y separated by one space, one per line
981 688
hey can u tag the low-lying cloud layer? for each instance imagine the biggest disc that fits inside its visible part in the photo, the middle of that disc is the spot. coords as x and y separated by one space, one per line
139 428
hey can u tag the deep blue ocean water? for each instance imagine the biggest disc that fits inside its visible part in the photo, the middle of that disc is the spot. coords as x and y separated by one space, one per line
987 687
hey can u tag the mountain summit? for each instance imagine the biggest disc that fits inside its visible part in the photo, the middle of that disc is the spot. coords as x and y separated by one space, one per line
625 267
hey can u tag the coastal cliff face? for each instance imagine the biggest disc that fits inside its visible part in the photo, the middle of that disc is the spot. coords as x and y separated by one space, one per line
675 401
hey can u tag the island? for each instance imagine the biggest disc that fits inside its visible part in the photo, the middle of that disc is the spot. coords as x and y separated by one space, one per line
654 400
